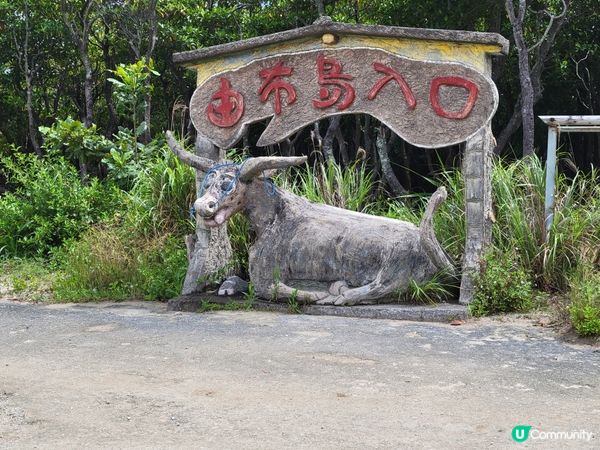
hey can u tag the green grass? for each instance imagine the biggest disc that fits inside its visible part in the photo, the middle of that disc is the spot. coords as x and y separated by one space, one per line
107 265
27 279
293 304
349 188
440 288
161 196
206 306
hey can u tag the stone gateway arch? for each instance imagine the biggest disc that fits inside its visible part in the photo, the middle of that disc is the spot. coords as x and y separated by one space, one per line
432 88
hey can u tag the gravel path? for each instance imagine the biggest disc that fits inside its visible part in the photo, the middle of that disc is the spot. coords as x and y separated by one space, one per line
133 375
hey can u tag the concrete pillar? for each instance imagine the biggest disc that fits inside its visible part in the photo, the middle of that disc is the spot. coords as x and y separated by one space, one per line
477 173
209 250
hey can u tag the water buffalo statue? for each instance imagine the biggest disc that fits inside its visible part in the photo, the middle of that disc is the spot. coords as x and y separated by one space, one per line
311 252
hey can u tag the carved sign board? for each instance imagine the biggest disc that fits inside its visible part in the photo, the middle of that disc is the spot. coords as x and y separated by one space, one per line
427 103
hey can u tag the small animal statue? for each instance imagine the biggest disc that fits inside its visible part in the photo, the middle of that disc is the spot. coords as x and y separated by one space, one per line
311 252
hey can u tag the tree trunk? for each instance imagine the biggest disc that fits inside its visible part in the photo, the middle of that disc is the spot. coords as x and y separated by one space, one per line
25 62
357 135
405 165
523 111
387 171
88 88
334 124
80 33
514 123
320 7
108 86
32 123
83 170
369 145
343 148
527 117
147 115
148 57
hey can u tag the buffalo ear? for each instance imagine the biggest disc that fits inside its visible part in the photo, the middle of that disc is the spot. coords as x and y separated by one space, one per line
188 158
254 167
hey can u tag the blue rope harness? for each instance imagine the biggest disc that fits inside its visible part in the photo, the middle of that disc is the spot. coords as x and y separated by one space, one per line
269 185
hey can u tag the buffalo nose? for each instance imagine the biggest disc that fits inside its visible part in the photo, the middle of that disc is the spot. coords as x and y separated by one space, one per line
206 207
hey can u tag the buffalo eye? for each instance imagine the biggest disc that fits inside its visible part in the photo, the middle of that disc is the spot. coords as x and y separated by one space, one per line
226 185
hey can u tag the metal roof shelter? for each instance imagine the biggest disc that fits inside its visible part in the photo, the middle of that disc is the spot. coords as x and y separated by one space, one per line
557 125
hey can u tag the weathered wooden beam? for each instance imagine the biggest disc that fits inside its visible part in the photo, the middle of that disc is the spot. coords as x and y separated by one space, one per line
570 120
324 25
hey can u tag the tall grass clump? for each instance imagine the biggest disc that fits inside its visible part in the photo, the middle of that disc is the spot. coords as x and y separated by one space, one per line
584 310
161 196
107 264
241 238
350 188
449 220
519 253
518 192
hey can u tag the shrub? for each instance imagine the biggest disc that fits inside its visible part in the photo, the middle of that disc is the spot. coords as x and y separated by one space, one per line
584 310
72 138
49 204
502 286
107 263
126 158
140 252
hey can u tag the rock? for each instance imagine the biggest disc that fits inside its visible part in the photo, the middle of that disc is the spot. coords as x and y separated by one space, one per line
233 285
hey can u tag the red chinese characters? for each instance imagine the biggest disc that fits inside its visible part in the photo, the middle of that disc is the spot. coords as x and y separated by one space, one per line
230 108
392 75
273 83
329 73
434 96
338 89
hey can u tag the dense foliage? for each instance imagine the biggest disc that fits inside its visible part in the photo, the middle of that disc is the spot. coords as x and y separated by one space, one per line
49 204
43 74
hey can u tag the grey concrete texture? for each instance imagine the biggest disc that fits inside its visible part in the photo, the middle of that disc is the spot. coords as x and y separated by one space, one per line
133 375
439 312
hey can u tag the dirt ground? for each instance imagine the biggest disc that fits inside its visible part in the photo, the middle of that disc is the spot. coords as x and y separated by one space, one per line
133 375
